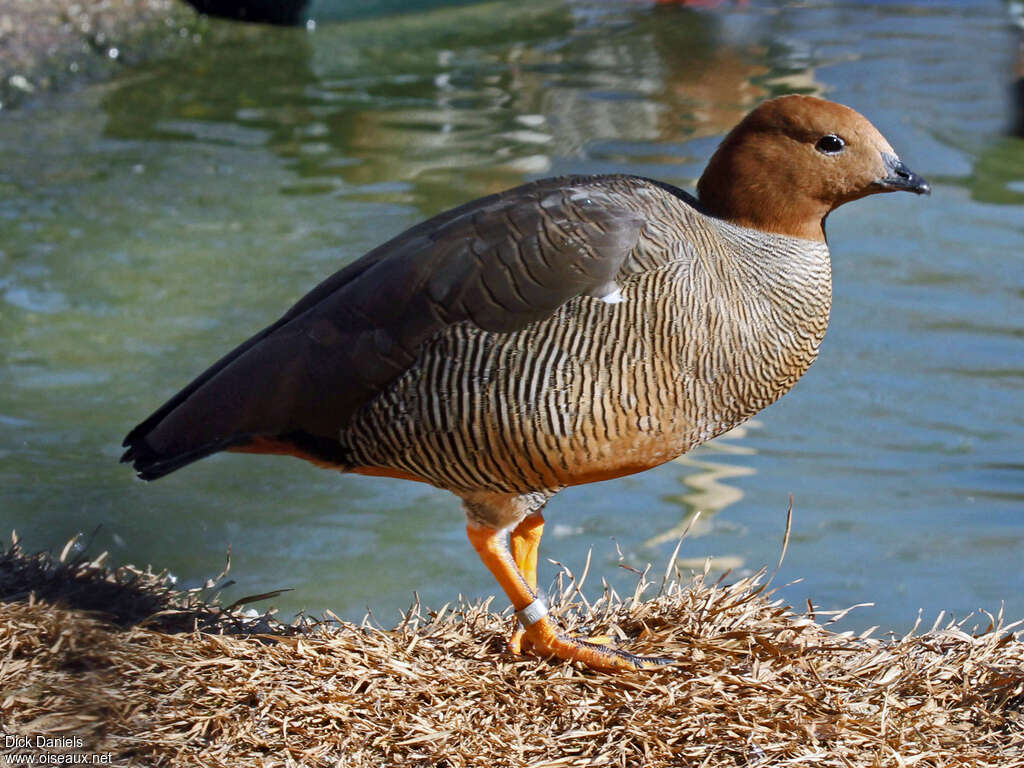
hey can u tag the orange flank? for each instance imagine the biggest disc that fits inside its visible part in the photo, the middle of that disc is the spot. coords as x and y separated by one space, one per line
270 446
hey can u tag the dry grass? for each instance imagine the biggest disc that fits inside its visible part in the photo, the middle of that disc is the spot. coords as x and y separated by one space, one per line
752 684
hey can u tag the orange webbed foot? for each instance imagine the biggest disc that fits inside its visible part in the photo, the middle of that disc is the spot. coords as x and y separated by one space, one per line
544 639
515 643
518 644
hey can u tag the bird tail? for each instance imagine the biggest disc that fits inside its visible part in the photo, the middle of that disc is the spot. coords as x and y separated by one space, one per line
150 464
221 408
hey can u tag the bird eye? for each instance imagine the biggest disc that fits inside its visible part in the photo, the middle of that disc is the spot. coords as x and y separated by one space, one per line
830 144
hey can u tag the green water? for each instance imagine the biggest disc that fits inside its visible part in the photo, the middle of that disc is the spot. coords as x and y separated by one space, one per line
150 223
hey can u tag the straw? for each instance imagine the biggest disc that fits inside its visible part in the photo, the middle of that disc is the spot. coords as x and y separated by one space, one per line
752 683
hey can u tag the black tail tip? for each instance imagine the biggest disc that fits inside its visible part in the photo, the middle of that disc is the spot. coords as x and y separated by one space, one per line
144 460
149 464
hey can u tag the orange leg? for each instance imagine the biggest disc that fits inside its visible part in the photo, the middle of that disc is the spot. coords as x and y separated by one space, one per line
543 636
525 541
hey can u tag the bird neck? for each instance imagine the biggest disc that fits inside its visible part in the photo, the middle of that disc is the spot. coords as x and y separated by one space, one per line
751 182
764 206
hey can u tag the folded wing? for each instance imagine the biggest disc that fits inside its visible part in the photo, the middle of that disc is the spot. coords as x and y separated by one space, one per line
501 262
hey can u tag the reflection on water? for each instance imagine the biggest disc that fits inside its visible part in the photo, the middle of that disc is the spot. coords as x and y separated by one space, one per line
148 224
709 493
390 109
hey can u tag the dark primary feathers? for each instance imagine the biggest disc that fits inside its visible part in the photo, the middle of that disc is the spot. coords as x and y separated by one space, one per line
500 262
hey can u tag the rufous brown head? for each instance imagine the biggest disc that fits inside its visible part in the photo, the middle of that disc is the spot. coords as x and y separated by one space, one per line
794 160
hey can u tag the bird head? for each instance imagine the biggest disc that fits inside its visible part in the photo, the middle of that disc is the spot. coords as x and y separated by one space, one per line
794 160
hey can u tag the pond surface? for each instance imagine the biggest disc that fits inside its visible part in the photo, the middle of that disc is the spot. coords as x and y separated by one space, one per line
149 224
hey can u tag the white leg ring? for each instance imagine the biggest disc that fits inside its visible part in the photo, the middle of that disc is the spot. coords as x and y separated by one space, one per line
532 613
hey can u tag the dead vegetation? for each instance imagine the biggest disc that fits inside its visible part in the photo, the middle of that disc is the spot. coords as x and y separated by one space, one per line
751 684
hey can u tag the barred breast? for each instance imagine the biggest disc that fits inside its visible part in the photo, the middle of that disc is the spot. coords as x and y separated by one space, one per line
716 323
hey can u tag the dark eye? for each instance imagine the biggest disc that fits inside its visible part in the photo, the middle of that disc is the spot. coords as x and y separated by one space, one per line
830 144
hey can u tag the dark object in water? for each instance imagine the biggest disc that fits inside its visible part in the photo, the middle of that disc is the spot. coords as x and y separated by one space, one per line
284 12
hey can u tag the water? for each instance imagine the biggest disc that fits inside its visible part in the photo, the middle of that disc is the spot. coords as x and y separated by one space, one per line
150 223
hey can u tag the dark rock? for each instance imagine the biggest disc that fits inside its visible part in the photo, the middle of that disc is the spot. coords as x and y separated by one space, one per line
285 12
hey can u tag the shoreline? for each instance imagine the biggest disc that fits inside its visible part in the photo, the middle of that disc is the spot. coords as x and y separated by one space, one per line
54 45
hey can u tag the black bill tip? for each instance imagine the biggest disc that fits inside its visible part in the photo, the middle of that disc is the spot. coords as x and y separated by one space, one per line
899 178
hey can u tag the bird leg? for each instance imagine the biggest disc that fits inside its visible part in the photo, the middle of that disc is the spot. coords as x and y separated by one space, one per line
544 638
525 540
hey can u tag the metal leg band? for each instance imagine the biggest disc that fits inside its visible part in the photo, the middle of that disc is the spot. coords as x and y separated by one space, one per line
532 613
